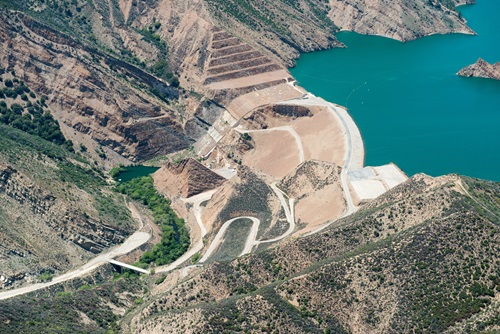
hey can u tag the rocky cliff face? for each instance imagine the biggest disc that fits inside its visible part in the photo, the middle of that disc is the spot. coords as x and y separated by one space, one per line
401 20
186 178
56 212
481 69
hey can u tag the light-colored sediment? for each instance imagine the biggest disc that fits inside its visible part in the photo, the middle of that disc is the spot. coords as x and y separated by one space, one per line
322 136
277 151
370 182
246 103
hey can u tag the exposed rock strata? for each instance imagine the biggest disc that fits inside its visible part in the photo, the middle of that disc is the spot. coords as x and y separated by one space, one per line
91 92
186 178
49 233
400 20
481 69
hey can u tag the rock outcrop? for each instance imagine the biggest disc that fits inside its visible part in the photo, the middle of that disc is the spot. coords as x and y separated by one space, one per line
92 94
481 69
400 20
186 178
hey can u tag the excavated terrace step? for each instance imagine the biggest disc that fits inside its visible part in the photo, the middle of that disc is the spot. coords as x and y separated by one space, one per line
238 66
254 82
225 43
231 50
235 58
245 73
218 36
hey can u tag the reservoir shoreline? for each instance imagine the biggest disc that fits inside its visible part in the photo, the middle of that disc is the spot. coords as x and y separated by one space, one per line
407 101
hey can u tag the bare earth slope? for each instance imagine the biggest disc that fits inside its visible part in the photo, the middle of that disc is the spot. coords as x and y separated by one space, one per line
185 179
401 20
315 186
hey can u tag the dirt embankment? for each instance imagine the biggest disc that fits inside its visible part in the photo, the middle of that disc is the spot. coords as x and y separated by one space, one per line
315 186
186 178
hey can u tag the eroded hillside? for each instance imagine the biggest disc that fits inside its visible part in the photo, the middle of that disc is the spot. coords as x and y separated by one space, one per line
99 99
56 209
401 20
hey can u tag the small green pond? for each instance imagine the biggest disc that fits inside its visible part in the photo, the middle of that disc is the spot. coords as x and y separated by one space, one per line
131 172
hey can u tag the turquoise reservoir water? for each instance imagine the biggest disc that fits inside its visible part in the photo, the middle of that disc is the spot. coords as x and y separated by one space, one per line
407 101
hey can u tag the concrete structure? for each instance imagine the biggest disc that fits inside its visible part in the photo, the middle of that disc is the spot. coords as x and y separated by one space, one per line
128 266
370 182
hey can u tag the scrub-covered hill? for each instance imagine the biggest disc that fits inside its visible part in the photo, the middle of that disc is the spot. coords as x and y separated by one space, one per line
421 258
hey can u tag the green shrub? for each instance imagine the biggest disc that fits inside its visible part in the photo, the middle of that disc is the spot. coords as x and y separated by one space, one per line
161 279
195 258
175 237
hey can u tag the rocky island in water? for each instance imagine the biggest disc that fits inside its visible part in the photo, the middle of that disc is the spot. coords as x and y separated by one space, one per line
481 69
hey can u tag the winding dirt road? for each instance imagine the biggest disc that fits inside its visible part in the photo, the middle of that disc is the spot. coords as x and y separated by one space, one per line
353 160
197 201
251 240
218 238
131 243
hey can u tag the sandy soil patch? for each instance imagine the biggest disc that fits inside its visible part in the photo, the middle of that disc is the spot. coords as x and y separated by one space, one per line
243 104
251 80
371 182
275 153
391 175
368 189
322 137
321 206
125 6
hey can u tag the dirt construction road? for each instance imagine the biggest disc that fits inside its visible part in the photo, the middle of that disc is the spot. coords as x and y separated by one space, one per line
134 241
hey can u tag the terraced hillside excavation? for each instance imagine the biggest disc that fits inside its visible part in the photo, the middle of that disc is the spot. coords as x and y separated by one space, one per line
235 64
242 79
